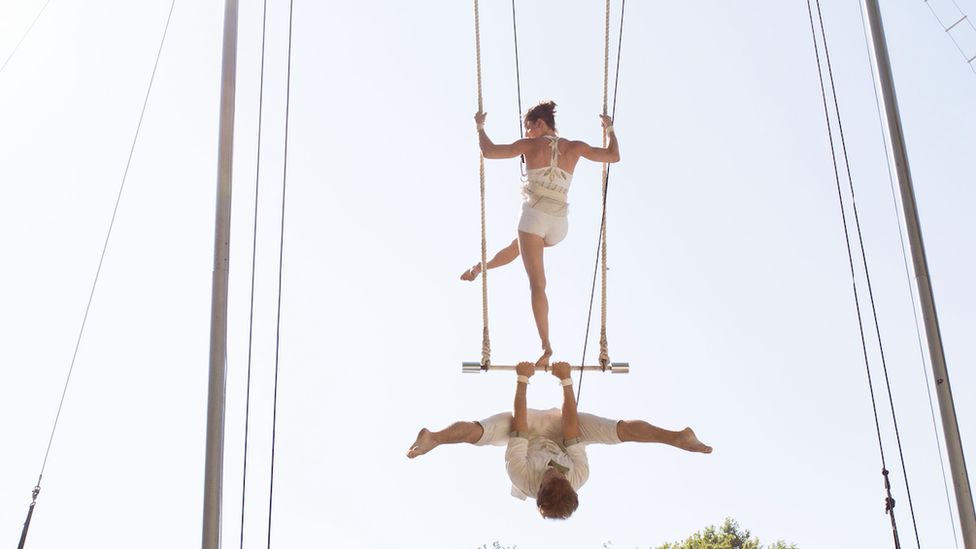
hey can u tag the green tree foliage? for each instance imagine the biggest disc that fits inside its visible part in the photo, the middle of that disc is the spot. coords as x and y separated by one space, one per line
727 536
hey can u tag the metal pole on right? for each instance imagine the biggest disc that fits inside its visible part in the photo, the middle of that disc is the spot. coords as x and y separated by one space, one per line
895 141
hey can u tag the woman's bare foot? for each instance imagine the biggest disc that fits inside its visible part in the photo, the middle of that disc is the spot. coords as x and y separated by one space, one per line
686 440
543 361
425 442
471 273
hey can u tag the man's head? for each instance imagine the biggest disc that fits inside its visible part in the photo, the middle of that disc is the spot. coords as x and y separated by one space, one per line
556 498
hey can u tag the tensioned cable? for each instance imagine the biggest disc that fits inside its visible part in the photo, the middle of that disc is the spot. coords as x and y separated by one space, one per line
889 501
518 76
947 30
867 274
518 88
518 79
850 256
904 255
22 38
98 270
281 258
254 253
601 248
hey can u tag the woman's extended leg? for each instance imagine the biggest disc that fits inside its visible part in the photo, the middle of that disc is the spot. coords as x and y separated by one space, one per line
531 246
504 256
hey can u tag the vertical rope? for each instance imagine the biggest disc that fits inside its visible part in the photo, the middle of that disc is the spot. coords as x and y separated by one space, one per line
485 340
601 250
604 352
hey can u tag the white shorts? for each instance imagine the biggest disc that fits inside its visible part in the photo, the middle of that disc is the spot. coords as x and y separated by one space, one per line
548 423
552 228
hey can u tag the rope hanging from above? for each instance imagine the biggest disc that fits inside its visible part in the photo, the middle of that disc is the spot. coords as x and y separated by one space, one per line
485 339
604 352
604 357
601 261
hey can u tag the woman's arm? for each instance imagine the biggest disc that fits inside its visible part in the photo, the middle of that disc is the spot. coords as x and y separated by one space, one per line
493 151
610 154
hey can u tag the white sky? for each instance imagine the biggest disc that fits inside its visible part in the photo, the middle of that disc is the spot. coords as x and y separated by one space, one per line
729 288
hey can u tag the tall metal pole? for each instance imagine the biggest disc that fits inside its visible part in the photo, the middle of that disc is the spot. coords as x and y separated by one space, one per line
213 477
896 148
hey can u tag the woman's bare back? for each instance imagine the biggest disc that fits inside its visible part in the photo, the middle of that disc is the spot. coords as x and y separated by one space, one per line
541 151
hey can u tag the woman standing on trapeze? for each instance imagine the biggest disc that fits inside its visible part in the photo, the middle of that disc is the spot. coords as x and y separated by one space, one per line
550 162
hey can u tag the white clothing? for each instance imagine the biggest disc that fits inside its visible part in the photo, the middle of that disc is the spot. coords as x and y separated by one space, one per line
546 188
526 459
552 228
545 207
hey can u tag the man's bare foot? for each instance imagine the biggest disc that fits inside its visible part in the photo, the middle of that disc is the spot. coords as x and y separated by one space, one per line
543 361
687 440
471 273
425 442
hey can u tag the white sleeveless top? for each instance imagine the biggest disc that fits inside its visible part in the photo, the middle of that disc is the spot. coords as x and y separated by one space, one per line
546 188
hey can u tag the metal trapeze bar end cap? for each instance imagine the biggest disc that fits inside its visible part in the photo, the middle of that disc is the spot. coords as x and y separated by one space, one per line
620 367
471 367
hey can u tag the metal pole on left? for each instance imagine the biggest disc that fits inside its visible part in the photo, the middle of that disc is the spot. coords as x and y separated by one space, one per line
213 476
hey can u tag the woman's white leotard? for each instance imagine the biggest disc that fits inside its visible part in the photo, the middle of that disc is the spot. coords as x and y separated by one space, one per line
545 207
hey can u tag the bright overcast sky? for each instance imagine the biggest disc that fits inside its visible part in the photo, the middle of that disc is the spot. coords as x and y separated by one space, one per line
729 286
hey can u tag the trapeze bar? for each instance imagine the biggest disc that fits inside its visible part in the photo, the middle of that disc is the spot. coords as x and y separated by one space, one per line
615 367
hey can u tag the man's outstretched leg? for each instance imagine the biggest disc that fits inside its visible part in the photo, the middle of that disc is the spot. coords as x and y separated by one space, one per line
462 431
642 431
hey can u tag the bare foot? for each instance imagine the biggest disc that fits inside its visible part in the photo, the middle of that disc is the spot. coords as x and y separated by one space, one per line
543 361
425 442
687 440
471 273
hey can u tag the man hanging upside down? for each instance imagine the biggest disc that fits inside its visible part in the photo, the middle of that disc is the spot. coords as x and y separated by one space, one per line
546 454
